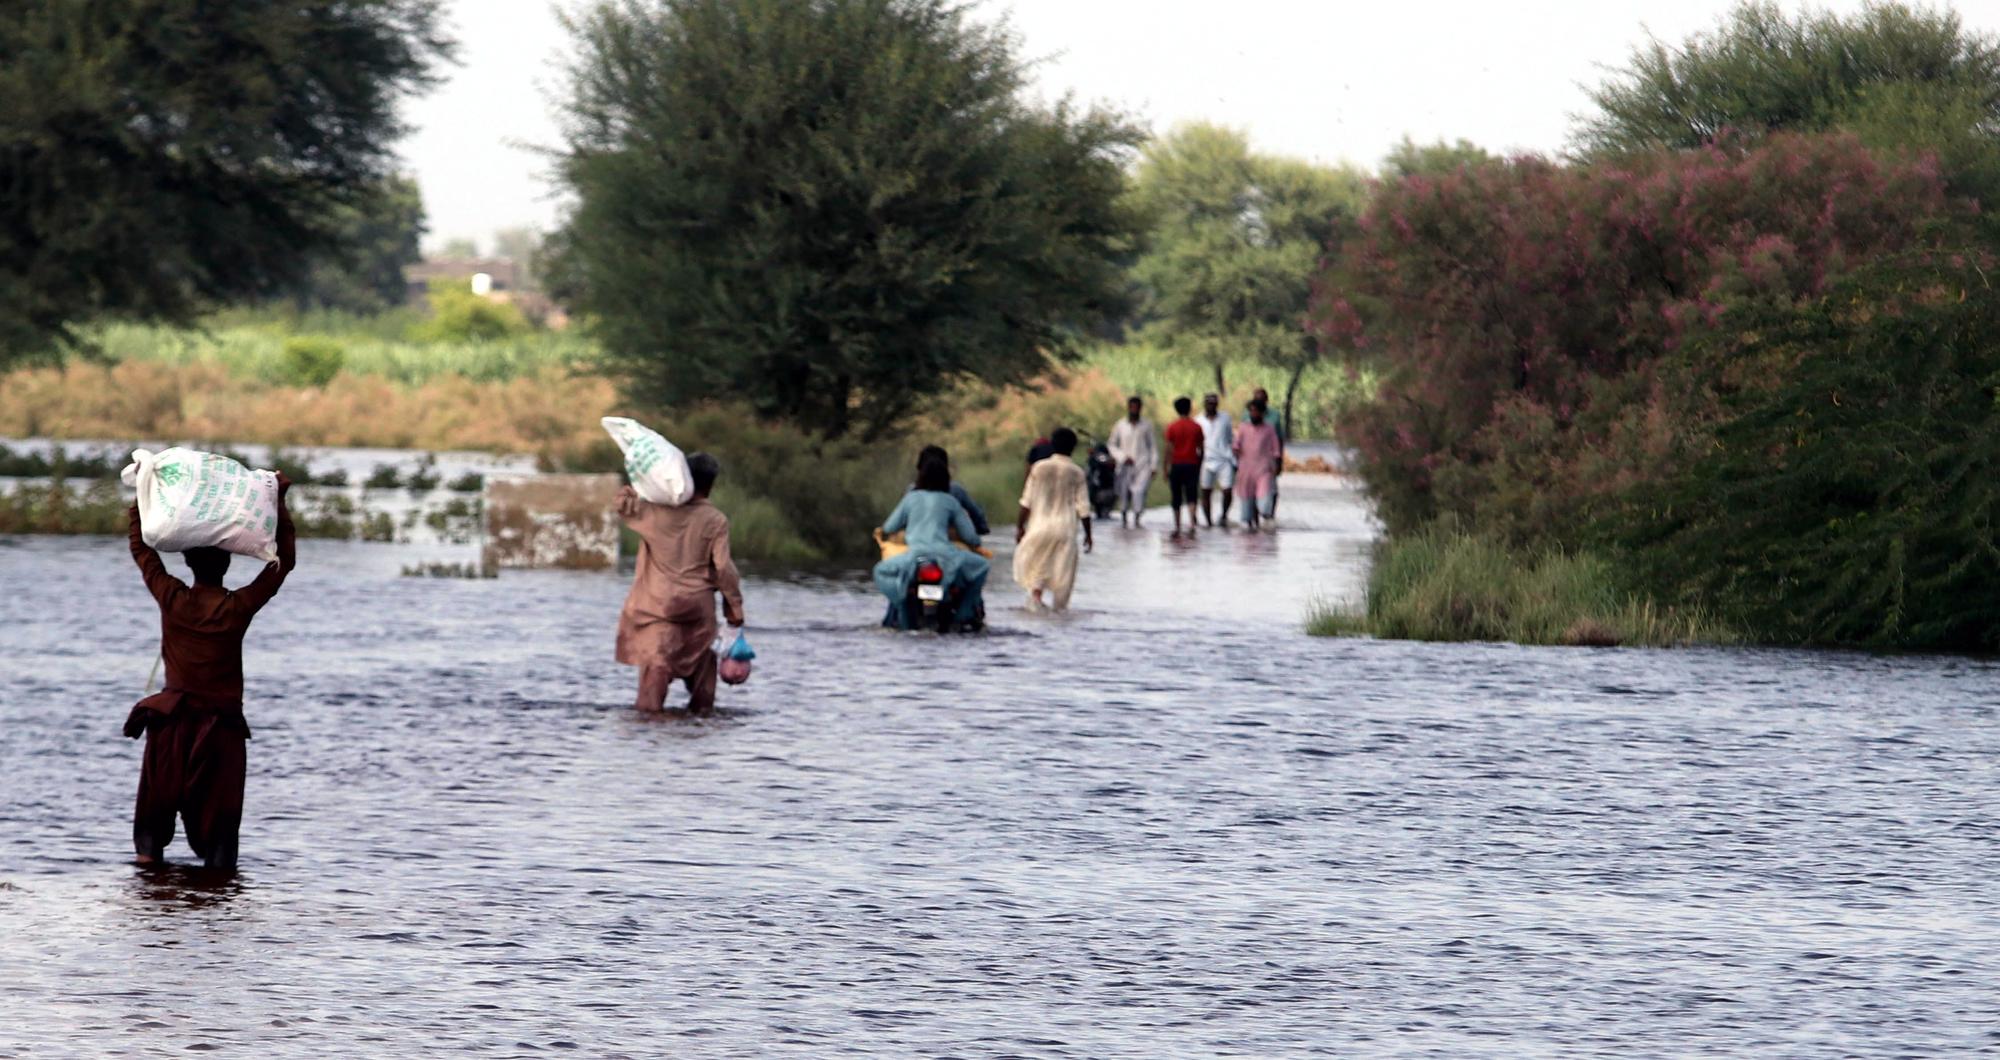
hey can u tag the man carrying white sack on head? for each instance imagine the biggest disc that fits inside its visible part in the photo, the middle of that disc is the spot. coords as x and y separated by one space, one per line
667 628
194 760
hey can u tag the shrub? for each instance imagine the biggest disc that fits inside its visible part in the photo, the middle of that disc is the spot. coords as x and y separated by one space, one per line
1443 583
1855 498
54 507
1517 312
312 360
458 315
424 477
759 531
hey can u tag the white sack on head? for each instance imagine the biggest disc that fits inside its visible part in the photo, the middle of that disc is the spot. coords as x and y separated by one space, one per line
191 499
658 469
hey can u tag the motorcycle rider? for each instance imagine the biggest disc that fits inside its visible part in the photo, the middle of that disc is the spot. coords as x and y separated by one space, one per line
959 492
927 517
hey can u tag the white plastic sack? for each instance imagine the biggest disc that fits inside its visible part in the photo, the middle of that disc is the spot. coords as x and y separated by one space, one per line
658 469
191 499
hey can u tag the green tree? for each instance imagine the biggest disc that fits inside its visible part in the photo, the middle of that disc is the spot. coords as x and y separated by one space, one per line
159 156
830 208
1764 69
1234 242
1410 158
1856 499
1897 76
379 236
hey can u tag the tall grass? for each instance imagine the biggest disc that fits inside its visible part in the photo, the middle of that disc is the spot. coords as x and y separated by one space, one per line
1444 584
253 348
543 412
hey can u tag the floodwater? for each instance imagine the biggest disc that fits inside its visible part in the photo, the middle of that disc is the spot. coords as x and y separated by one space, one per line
1167 824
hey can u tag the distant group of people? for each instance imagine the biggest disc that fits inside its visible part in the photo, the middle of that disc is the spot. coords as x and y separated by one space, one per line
1204 454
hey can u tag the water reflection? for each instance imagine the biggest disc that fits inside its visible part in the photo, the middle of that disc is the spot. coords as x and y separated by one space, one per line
170 887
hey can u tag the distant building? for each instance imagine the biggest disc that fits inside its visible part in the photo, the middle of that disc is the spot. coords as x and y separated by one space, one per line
505 281
506 275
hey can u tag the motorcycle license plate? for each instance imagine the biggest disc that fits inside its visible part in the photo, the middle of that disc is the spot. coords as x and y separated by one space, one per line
930 593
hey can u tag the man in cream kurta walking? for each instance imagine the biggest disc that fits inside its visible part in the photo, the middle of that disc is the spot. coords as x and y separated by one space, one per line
1045 550
1137 453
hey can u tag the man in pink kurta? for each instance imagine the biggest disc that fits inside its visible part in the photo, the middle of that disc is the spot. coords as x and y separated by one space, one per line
667 628
1258 451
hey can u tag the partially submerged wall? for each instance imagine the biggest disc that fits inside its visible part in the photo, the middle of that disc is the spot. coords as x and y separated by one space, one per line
565 521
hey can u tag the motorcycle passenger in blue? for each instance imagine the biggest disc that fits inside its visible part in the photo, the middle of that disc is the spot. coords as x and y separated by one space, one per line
927 517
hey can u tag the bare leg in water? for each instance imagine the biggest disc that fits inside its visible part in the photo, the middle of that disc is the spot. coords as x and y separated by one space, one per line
653 684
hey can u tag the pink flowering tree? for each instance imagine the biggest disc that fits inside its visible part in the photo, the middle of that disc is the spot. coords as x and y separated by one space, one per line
1525 318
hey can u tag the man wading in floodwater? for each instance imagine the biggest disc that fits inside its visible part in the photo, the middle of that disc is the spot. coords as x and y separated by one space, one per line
194 727
1053 502
1277 422
667 629
1137 453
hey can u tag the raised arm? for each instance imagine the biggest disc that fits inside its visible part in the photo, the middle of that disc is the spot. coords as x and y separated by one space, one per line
265 585
636 512
727 580
158 581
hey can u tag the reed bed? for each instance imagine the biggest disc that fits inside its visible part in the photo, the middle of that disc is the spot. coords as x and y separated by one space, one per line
255 348
1443 584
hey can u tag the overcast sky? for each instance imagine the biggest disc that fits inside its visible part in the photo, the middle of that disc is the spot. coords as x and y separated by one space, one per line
1324 79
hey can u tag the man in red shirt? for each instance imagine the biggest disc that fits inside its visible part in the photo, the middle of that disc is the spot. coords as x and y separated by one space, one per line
1184 453
194 728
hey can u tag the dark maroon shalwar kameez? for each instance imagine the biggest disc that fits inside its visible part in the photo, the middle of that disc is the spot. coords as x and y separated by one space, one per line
194 728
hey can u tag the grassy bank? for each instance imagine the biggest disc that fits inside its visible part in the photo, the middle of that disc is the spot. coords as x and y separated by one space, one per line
262 348
1445 584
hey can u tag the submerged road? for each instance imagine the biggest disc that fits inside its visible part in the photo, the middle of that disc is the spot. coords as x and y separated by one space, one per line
1166 824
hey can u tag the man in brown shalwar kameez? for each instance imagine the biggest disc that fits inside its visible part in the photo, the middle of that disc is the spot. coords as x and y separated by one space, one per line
667 628
194 728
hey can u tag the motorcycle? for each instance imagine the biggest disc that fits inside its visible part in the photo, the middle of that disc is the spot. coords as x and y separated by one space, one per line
931 604
1101 477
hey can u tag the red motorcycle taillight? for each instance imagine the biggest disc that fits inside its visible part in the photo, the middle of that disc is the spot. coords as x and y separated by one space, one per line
930 573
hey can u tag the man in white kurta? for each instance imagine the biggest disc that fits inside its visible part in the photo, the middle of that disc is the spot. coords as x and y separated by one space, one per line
1218 465
1053 503
1137 454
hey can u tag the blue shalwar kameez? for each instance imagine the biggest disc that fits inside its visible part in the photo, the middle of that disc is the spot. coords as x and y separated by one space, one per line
926 519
